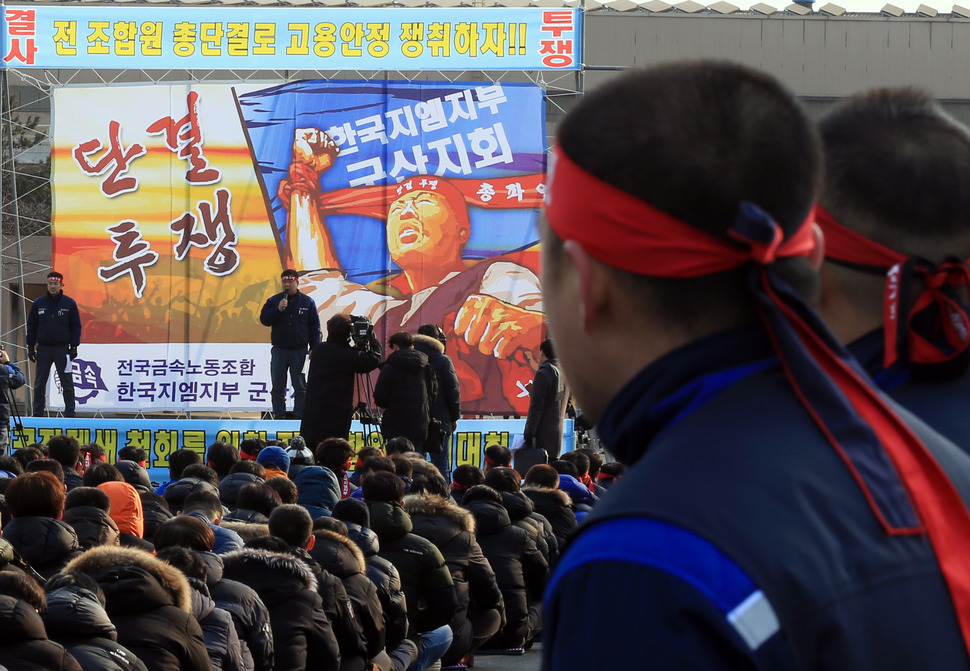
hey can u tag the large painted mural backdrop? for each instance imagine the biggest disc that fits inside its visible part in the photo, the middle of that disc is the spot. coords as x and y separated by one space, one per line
176 208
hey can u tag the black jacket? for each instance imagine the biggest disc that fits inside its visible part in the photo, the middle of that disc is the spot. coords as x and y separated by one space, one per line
296 327
452 530
447 404
302 637
520 568
230 485
330 388
93 526
406 389
425 578
521 511
556 506
11 378
387 580
341 557
44 543
248 612
54 320
150 602
547 408
218 629
24 645
76 619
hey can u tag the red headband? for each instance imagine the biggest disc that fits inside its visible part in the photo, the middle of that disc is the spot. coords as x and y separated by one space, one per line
632 235
845 245
947 337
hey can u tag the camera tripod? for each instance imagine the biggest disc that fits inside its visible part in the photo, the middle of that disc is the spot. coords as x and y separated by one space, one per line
16 420
365 411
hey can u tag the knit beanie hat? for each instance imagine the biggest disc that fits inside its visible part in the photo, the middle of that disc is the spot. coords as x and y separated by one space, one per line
274 456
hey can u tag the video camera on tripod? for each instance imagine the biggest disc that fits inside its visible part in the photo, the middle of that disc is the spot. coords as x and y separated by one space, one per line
361 332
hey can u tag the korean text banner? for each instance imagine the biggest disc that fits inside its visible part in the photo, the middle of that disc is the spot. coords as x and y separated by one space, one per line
266 38
160 438
176 208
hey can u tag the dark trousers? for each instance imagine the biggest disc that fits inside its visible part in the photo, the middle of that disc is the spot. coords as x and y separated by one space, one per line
442 460
47 356
281 361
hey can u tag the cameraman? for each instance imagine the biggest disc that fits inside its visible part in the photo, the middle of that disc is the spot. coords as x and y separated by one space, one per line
334 364
10 378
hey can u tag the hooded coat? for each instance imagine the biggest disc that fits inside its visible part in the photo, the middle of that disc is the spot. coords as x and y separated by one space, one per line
340 556
150 603
387 580
319 490
127 513
425 578
43 542
218 630
249 614
76 619
24 645
302 637
93 526
447 404
556 506
230 485
452 530
519 567
521 511
330 388
406 389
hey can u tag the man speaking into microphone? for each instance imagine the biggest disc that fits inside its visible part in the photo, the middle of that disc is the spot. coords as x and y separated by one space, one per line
295 330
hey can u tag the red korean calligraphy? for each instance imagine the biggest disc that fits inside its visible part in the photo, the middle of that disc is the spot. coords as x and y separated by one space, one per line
184 138
117 159
224 258
132 255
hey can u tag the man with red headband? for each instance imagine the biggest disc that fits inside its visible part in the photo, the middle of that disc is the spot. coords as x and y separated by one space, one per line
778 513
491 309
894 285
53 336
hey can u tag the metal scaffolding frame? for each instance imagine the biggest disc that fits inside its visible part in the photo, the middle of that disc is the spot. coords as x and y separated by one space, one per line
561 89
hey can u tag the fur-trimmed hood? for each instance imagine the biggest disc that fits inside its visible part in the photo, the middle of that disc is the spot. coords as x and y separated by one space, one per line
266 561
121 565
431 504
547 492
428 345
246 530
338 554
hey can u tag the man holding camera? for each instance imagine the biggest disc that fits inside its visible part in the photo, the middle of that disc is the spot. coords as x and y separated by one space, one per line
53 336
334 365
10 378
296 329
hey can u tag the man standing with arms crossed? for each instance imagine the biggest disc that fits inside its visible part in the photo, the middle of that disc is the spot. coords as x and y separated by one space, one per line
295 330
53 336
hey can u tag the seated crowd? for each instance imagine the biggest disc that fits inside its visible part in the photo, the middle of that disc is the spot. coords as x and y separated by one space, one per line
275 556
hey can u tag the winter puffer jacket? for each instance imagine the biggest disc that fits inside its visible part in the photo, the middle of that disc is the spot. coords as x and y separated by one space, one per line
319 490
387 579
24 645
218 630
341 557
230 485
150 603
248 612
44 543
406 389
425 578
93 526
447 404
556 506
76 619
519 567
302 637
521 511
452 530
